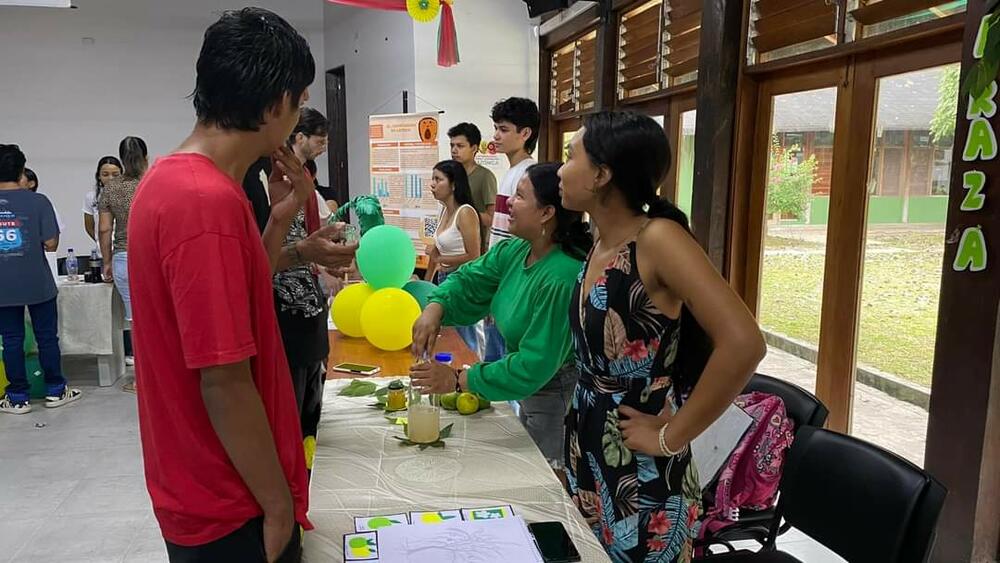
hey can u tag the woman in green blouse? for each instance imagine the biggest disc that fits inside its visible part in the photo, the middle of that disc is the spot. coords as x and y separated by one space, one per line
525 283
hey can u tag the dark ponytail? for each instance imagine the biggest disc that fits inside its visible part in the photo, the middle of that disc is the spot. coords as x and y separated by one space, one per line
636 150
133 153
571 234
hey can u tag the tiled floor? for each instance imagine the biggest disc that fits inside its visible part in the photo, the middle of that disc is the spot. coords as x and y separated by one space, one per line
878 418
71 487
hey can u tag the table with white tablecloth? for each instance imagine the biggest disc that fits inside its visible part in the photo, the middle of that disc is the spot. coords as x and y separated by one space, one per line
91 320
489 460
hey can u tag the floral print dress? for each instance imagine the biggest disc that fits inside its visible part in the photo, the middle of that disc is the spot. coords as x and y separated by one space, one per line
642 508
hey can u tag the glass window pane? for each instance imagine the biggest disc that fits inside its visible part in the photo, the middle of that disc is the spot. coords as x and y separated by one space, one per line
944 10
907 206
794 250
685 161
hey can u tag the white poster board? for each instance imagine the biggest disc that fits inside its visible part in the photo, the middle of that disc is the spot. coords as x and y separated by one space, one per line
403 151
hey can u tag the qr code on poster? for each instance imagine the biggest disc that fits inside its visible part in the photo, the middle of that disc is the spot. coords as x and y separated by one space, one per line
430 226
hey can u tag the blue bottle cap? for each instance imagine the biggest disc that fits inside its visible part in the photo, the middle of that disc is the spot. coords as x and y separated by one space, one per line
443 357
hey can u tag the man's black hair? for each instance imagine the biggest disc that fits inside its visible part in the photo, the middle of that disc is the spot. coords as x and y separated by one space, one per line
11 163
311 122
249 60
467 130
522 112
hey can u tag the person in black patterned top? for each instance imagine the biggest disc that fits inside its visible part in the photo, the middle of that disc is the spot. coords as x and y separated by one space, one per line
662 343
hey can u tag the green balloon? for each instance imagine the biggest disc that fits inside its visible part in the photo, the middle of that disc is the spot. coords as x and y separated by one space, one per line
386 257
421 291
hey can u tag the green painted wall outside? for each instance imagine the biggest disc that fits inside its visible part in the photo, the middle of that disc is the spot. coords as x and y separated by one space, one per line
685 174
883 210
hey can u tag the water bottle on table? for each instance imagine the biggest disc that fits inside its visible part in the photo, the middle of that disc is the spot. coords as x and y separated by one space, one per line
72 266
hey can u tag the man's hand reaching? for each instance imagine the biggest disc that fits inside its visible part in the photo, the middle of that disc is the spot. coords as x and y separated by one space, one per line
320 248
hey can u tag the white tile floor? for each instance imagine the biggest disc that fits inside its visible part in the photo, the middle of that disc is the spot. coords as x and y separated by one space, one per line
71 486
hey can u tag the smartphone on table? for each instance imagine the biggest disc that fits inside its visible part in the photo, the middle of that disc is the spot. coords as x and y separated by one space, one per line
554 543
357 369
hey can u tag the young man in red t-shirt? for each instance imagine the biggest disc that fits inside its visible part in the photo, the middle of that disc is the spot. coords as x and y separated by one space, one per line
217 415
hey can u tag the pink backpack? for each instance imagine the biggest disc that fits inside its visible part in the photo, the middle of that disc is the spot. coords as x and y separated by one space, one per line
750 478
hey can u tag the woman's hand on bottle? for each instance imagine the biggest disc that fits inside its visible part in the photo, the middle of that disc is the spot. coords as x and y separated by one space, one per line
433 378
426 330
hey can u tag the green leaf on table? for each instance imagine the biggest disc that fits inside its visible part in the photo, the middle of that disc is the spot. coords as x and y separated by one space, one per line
358 389
383 391
445 432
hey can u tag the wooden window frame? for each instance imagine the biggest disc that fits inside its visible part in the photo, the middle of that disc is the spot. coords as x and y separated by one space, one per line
856 79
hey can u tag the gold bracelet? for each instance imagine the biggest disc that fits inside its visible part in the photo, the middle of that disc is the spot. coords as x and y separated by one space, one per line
666 451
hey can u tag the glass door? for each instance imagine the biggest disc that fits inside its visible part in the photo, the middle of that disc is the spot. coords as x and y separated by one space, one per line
908 184
796 190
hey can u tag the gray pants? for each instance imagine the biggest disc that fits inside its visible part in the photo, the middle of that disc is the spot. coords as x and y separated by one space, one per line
544 414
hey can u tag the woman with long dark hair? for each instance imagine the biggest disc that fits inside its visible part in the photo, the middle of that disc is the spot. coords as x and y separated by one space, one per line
115 202
108 168
525 283
456 240
663 345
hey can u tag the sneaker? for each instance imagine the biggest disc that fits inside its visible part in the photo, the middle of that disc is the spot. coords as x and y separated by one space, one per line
68 396
10 407
129 360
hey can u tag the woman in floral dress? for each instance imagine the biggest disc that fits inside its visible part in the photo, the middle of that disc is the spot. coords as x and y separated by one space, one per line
645 309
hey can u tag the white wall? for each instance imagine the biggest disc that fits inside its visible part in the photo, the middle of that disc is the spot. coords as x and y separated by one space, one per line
499 58
376 50
68 103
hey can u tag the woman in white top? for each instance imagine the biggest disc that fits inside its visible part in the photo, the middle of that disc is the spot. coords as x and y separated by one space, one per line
456 240
108 168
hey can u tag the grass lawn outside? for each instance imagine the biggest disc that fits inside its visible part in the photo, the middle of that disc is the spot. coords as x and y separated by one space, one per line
899 299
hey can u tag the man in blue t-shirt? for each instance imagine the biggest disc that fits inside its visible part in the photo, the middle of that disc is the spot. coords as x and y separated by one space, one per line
27 229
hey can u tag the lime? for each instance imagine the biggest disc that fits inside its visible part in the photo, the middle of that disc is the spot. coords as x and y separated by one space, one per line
467 403
484 403
448 401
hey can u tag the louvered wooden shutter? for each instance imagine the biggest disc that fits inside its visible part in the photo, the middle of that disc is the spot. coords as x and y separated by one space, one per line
563 99
574 75
640 43
683 37
778 24
871 12
586 71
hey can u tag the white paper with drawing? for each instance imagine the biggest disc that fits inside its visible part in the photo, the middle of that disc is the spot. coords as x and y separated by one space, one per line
714 446
482 541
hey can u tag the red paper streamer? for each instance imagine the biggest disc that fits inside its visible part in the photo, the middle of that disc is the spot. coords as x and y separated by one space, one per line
447 38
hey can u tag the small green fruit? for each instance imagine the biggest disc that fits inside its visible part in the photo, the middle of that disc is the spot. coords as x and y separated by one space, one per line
448 401
467 403
484 403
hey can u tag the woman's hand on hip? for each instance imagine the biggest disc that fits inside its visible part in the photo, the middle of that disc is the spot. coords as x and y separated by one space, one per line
641 431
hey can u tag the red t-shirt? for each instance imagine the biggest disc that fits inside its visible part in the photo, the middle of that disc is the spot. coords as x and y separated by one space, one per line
202 297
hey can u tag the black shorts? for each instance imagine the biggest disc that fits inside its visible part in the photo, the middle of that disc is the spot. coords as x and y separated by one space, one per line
245 545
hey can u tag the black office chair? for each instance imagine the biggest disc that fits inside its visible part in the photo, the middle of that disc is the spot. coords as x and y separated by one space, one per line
804 409
800 405
864 503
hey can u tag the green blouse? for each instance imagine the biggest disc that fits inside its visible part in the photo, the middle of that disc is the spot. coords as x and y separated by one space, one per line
530 305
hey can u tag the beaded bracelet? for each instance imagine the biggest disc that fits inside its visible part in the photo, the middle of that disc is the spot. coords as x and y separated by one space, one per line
663 444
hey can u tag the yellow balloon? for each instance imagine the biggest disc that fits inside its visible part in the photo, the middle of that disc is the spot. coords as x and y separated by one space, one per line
387 319
346 310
